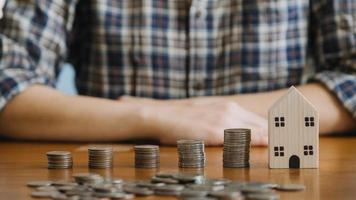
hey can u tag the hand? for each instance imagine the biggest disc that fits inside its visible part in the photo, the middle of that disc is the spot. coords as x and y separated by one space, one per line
198 118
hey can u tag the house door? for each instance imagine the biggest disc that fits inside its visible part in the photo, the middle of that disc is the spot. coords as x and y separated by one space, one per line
294 162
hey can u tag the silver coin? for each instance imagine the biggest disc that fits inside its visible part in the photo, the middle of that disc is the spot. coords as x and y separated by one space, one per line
204 187
263 185
59 196
39 183
171 187
263 196
63 183
46 188
121 195
188 178
167 193
193 193
58 153
226 194
139 191
255 189
290 187
42 194
164 180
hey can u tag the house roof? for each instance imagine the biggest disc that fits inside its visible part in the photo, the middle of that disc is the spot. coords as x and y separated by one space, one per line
292 90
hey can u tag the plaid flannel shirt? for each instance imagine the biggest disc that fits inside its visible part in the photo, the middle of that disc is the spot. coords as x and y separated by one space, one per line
179 48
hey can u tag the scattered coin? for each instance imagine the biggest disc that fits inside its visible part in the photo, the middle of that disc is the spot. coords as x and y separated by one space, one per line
117 181
215 182
39 183
104 188
187 186
59 159
100 157
63 183
46 188
147 156
235 195
139 191
169 190
236 150
290 187
193 193
262 196
206 187
59 196
188 178
191 153
149 184
88 178
263 185
156 179
254 189
120 195
42 194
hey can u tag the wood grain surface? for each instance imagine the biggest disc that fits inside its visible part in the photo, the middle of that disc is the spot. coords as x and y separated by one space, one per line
21 162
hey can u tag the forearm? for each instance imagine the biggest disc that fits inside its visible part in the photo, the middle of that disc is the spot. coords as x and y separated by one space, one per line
41 113
334 117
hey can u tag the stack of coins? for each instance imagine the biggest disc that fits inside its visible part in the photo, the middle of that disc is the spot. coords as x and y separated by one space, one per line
59 160
100 157
191 153
146 156
236 148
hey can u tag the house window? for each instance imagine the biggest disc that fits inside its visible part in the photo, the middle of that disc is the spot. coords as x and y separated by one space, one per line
279 151
309 121
308 150
279 121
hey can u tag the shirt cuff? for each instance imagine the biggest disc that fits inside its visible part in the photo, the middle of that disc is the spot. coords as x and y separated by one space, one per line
342 85
17 72
15 81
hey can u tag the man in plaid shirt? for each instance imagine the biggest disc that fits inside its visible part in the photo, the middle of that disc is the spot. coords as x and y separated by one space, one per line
168 69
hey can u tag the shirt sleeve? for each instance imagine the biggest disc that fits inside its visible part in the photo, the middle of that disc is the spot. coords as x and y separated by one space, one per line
333 29
2 2
33 43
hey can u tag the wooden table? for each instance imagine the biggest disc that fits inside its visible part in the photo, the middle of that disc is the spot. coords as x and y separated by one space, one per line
336 179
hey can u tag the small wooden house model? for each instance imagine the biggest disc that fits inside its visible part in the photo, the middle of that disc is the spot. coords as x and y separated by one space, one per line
293 130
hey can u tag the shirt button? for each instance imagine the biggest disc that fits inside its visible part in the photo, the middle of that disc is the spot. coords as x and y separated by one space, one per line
198 14
198 86
345 22
137 60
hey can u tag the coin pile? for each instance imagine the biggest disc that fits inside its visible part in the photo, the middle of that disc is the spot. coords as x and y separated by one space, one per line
87 178
236 151
146 156
59 159
100 157
191 153
184 186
